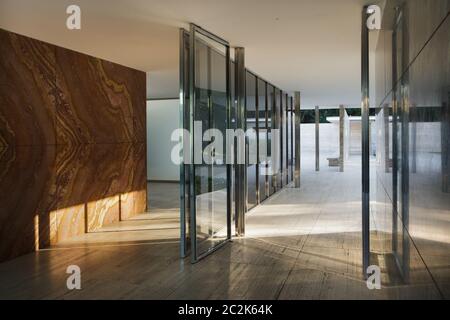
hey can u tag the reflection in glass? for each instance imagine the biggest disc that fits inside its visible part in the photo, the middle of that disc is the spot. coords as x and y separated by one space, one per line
262 137
413 142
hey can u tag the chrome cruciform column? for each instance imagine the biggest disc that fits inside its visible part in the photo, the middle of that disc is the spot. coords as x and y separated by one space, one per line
317 113
365 141
297 138
341 137
240 171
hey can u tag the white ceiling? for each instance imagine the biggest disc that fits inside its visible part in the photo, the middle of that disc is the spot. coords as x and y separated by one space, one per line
307 45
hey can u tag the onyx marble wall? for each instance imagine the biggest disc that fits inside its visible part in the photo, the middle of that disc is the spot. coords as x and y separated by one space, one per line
414 216
72 144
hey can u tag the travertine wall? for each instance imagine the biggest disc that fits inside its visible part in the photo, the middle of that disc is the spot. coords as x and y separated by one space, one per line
72 144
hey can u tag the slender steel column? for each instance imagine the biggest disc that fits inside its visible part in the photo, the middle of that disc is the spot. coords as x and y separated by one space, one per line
229 126
239 55
365 141
183 216
387 160
445 142
341 137
192 100
292 138
405 142
266 167
405 113
394 141
317 138
286 142
282 142
297 138
413 127
258 160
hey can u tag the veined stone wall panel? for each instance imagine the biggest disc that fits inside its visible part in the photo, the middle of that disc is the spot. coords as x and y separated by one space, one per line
72 144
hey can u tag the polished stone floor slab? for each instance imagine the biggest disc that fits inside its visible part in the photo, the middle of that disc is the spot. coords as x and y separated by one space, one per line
300 244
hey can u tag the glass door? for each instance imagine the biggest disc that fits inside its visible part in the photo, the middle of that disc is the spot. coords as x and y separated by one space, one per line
209 173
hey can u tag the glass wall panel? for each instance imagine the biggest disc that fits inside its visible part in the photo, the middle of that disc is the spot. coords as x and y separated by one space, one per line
210 170
426 96
233 125
277 150
185 181
251 156
270 125
402 119
289 142
212 110
293 139
285 150
262 138
412 98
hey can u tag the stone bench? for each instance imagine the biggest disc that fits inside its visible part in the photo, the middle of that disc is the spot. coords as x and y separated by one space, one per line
333 162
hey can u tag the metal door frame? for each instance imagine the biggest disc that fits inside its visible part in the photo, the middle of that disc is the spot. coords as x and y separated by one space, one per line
184 248
194 29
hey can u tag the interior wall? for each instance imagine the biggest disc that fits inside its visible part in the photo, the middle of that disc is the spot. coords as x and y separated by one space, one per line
163 118
72 144
329 141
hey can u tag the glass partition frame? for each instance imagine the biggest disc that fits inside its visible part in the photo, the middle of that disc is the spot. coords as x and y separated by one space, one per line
278 148
262 135
270 110
197 254
185 240
251 122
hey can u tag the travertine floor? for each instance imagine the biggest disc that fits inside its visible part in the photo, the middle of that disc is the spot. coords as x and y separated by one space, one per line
300 244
